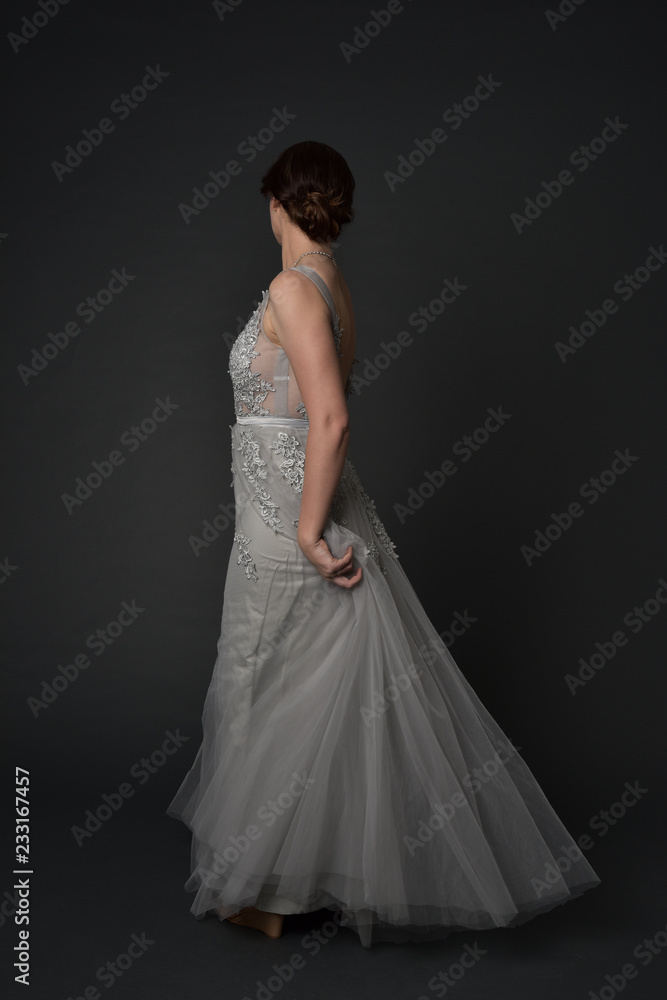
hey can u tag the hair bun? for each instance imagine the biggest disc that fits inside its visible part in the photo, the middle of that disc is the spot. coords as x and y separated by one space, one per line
315 198
315 186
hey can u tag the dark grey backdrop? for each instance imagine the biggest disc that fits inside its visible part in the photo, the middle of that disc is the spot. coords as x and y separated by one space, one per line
211 79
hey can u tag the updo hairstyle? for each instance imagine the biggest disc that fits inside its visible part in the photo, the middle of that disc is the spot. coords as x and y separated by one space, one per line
314 184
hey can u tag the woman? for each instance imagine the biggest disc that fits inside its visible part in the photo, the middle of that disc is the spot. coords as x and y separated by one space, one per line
346 762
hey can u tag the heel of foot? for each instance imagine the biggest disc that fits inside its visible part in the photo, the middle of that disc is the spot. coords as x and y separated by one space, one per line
249 916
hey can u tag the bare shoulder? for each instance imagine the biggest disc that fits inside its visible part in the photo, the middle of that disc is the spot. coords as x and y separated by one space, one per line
293 300
287 286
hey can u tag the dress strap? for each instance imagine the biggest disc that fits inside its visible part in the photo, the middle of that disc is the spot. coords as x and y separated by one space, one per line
321 284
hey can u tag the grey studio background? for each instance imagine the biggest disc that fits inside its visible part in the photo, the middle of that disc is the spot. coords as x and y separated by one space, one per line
507 264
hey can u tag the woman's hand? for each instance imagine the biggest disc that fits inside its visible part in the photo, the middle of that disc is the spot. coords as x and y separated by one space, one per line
339 571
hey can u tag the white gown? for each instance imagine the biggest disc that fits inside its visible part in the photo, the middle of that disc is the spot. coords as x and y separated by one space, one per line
346 762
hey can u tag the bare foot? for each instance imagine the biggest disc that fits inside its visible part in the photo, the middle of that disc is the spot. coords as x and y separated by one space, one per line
261 920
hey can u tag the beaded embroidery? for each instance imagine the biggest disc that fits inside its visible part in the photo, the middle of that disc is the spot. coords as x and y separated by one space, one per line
250 389
245 559
254 468
372 514
373 552
292 468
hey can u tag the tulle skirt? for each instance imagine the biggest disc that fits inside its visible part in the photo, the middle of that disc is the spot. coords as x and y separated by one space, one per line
346 762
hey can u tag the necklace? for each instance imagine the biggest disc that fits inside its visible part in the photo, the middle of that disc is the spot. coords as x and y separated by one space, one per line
316 251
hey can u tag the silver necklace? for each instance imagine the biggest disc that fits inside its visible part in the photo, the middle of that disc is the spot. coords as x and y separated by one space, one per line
316 251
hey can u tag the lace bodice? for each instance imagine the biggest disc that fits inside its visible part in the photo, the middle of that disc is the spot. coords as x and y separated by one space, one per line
262 377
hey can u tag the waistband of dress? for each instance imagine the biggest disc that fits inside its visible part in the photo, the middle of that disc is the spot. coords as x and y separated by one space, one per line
247 418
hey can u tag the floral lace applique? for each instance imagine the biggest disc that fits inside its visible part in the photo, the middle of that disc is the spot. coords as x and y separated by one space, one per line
250 389
301 408
336 509
292 468
372 514
254 468
374 553
245 559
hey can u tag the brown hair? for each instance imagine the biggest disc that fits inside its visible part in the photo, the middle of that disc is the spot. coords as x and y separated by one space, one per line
315 186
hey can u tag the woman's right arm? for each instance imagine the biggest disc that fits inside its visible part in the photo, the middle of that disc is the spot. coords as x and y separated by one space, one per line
303 326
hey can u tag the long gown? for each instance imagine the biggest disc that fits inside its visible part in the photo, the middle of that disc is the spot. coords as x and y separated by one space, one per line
346 762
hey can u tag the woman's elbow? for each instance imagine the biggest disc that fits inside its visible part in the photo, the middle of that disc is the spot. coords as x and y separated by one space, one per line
334 423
